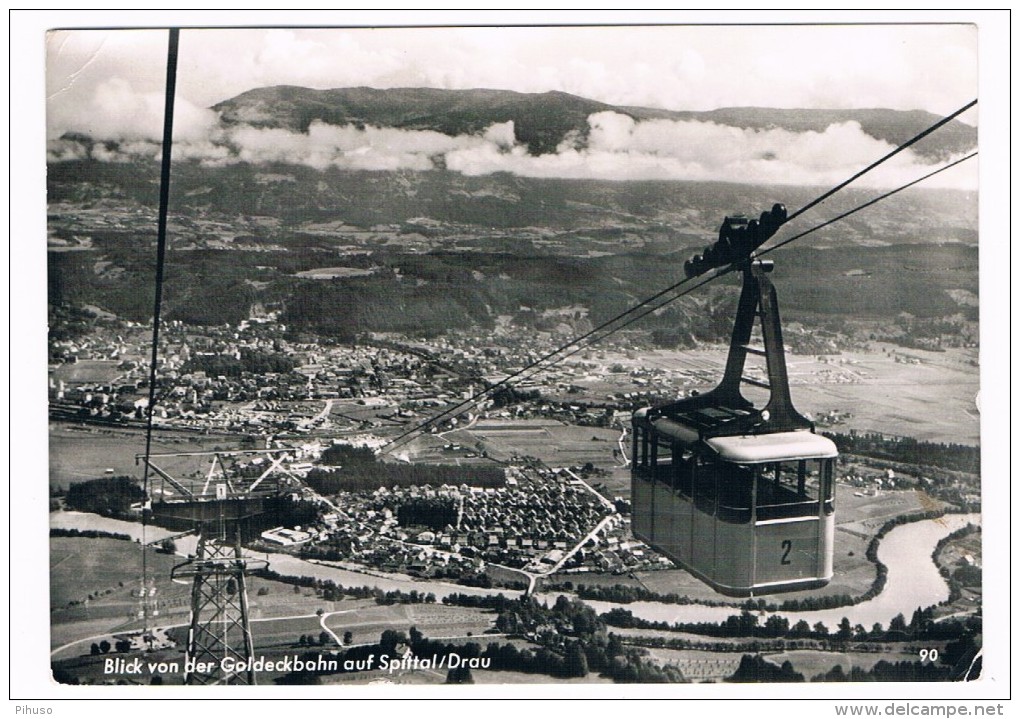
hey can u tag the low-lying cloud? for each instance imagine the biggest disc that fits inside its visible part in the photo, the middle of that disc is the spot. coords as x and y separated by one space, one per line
125 126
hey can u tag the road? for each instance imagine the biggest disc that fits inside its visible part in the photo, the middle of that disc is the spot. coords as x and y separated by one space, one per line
110 634
623 446
318 419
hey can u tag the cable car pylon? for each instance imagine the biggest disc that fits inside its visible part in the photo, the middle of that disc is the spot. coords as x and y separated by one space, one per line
220 648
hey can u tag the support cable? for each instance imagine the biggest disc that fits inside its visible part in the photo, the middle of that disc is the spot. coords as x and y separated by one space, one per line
164 200
534 367
879 161
727 270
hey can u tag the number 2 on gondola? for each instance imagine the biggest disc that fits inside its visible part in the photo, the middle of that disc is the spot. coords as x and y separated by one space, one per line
787 545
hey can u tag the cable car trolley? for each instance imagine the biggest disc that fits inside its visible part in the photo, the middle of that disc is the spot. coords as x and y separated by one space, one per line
739 496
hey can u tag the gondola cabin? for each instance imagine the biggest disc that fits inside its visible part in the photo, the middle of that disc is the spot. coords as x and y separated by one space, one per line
741 497
747 514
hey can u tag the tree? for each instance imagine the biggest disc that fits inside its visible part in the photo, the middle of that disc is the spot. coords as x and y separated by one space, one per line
94 649
168 546
104 646
800 629
390 639
777 626
754 668
846 630
123 645
576 664
460 675
416 637
348 638
324 638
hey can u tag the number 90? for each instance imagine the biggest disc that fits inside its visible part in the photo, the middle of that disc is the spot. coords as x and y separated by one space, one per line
927 655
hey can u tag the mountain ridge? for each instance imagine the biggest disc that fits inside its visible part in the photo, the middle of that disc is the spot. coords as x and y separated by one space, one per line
543 121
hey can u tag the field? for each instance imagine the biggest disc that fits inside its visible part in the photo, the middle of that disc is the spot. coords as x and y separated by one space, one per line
486 676
329 273
436 621
78 454
932 400
113 567
89 372
811 663
555 443
904 392
696 665
284 631
955 555
80 567
865 515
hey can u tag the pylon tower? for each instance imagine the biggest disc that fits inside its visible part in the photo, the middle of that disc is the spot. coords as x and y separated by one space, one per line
219 637
220 648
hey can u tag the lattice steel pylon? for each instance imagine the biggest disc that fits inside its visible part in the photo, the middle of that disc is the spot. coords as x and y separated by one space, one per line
220 648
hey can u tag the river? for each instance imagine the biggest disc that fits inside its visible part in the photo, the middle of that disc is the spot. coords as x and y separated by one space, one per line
913 580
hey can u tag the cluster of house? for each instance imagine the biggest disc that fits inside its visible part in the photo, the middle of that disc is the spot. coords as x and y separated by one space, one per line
617 552
104 377
531 525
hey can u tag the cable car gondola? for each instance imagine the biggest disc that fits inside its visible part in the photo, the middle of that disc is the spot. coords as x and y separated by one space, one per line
741 497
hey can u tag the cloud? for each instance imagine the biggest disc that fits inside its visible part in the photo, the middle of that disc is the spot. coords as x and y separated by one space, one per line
109 85
369 148
620 148
616 147
116 111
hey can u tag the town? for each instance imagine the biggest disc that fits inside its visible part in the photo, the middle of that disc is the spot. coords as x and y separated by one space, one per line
522 507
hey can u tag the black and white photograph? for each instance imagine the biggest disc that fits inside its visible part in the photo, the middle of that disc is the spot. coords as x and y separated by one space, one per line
516 356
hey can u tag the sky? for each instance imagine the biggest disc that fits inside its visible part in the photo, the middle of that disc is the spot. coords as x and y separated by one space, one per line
905 67
108 84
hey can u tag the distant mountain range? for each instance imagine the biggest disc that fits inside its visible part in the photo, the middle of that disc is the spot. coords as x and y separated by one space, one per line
543 121
427 251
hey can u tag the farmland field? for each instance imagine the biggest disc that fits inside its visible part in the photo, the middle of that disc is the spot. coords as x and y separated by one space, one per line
811 663
284 631
78 454
904 392
486 676
698 665
79 567
329 273
433 620
555 443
